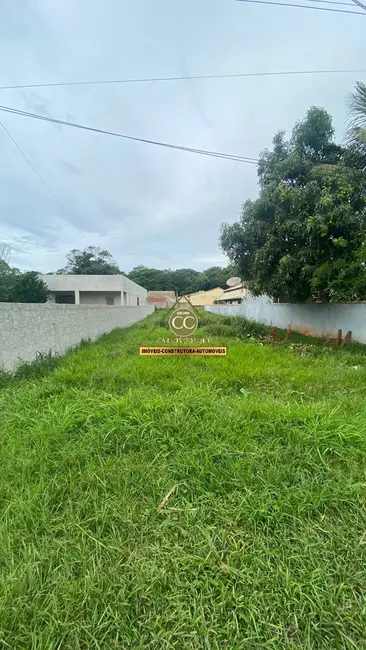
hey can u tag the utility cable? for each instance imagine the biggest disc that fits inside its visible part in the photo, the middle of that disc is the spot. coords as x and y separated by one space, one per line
359 4
35 171
287 4
185 78
215 154
38 175
331 2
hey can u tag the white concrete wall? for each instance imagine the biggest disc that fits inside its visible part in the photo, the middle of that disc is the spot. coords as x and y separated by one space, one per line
316 319
26 329
93 283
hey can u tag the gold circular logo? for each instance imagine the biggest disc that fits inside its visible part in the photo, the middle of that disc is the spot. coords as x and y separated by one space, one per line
183 322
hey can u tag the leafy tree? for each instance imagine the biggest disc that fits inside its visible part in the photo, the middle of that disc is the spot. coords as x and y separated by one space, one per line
186 281
356 136
303 237
29 287
217 276
151 279
182 281
90 261
8 276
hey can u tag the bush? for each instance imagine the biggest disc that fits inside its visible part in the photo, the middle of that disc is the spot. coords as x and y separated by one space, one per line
29 287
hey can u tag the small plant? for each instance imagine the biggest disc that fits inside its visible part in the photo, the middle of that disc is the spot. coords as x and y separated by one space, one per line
41 366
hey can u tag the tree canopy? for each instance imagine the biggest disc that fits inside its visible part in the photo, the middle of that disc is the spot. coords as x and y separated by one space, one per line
90 261
16 286
21 287
182 281
8 276
304 237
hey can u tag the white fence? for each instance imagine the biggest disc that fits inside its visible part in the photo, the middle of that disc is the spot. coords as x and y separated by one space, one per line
28 329
316 319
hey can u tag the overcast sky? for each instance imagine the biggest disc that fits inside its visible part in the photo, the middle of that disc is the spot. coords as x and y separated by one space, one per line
145 204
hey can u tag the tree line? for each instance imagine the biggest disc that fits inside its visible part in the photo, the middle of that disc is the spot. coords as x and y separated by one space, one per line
303 238
28 287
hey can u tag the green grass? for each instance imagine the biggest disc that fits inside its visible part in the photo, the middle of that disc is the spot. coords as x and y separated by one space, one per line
262 542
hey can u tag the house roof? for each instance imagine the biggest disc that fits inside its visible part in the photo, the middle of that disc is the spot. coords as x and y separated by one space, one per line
240 286
232 295
70 282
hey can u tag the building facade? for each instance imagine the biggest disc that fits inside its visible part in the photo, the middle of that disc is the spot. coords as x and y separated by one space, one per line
108 290
161 299
233 295
202 298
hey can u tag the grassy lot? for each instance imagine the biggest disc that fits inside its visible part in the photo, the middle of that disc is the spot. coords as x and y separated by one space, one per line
262 542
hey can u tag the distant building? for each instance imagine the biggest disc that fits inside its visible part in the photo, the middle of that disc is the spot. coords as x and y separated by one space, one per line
232 295
161 299
109 290
202 298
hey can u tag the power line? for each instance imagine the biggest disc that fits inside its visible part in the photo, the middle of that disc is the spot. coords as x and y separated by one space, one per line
41 178
36 172
331 2
287 4
185 78
359 4
215 154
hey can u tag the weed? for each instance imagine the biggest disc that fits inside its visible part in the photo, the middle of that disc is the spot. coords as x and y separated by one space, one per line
41 366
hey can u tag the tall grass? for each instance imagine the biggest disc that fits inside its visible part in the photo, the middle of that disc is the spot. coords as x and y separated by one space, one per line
262 541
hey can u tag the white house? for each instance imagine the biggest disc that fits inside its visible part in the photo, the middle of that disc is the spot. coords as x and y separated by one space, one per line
94 290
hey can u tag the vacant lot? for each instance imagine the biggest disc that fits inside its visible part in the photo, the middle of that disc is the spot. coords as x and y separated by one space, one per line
260 545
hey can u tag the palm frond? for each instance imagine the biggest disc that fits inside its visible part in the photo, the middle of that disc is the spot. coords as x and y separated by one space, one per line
357 106
356 132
